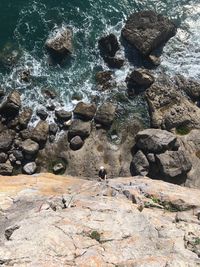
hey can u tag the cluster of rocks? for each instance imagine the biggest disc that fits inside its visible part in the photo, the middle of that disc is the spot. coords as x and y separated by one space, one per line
159 154
20 143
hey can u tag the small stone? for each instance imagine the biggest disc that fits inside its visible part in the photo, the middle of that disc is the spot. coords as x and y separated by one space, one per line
42 114
76 143
18 154
3 157
25 76
18 163
12 158
58 168
154 60
30 168
53 128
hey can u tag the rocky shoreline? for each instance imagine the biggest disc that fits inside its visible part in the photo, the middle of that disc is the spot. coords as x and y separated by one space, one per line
79 142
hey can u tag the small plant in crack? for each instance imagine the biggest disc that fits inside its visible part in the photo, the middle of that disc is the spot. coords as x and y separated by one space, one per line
197 241
95 235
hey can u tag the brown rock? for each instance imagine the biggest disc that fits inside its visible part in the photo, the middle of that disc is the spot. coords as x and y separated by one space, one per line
40 132
85 111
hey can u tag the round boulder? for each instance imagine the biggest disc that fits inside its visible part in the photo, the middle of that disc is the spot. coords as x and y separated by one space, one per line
85 111
30 147
76 143
30 168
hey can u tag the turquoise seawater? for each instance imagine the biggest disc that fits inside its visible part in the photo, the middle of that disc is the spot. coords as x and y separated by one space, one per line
25 25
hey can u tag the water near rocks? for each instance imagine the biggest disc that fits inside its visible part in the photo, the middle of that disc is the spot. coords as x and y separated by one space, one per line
25 25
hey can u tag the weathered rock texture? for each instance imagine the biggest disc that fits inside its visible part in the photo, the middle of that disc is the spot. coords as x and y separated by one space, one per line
58 221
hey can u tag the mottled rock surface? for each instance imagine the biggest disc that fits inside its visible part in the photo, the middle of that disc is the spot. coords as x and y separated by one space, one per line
125 222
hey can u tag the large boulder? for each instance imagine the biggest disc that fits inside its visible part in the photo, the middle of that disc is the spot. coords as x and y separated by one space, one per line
30 168
63 115
40 132
85 111
105 80
141 77
156 140
6 140
139 164
11 105
24 117
59 44
105 114
147 30
79 128
108 45
6 168
30 147
169 108
173 163
76 143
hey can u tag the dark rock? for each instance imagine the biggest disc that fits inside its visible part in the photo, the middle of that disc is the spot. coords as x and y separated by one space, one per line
173 163
76 143
50 93
140 164
105 80
85 111
52 138
6 168
12 158
26 133
25 76
151 158
109 45
114 62
105 114
9 56
18 155
59 44
51 107
3 157
63 115
53 128
80 128
30 147
40 132
6 140
30 168
24 117
2 92
9 231
147 31
42 114
155 140
11 105
58 168
140 77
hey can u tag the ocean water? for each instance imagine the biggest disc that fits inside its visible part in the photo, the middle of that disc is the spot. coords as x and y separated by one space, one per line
25 25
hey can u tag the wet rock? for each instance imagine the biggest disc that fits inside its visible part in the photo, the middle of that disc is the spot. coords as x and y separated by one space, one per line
189 86
30 168
140 164
63 115
85 111
51 107
76 143
140 77
53 128
59 44
30 147
9 56
2 92
154 60
58 168
173 163
105 114
147 30
6 168
6 140
105 80
40 132
25 76
79 128
170 109
109 45
155 140
11 105
3 157
42 114
114 62
25 117
50 93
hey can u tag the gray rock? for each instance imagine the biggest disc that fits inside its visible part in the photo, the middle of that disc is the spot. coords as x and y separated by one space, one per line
30 168
85 111
80 128
76 143
6 168
59 44
3 157
40 132
140 77
63 115
105 114
11 105
58 168
151 158
155 140
42 114
18 154
30 147
53 128
140 164
173 163
12 158
6 140
147 30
